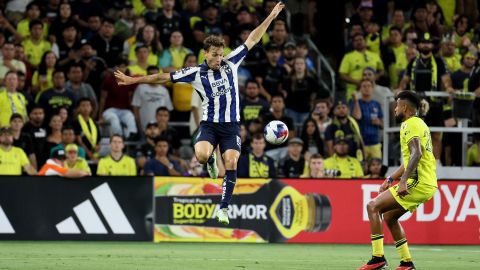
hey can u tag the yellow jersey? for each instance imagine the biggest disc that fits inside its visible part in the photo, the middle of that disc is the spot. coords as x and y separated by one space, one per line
125 166
152 58
23 28
34 52
12 161
353 64
81 164
348 166
11 103
425 172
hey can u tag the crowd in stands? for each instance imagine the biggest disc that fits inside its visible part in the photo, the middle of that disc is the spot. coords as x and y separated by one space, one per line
62 112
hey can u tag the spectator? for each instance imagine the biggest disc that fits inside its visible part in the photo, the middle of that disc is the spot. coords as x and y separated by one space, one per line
449 54
346 126
320 114
147 150
380 93
150 11
173 58
21 139
115 105
279 33
245 139
256 163
462 33
57 97
21 88
68 137
94 24
68 44
6 27
341 162
277 108
293 165
80 89
64 18
375 169
10 100
271 76
474 87
94 67
54 132
74 161
421 23
8 63
86 130
461 76
116 163
63 113
147 98
313 143
303 50
473 152
288 56
124 27
167 131
253 106
353 64
396 59
209 24
85 9
106 44
42 78
168 20
141 63
55 166
146 36
12 159
33 12
369 116
182 93
196 169
424 73
315 168
161 165
302 88
35 127
35 44
397 21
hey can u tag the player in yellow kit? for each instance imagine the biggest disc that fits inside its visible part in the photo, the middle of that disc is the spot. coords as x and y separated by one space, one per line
418 183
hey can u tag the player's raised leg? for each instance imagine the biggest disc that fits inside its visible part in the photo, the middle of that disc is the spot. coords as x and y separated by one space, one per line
398 234
230 158
204 151
384 202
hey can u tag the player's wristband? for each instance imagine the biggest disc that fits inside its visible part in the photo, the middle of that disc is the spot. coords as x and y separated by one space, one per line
389 179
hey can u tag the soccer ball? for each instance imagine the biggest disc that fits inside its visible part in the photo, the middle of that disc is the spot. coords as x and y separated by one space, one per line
276 132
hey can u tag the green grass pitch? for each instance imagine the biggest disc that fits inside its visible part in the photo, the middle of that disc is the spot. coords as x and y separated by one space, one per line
134 255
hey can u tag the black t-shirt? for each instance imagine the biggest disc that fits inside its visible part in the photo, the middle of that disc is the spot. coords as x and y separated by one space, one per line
422 79
166 26
285 119
473 84
51 100
253 110
290 168
458 79
300 93
272 77
108 50
64 50
173 137
343 130
39 139
25 142
79 132
147 150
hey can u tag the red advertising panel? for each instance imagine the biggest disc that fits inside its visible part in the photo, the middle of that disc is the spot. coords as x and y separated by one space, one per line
452 216
307 211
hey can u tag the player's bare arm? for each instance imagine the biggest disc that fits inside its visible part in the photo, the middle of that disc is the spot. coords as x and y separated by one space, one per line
395 175
258 32
415 149
123 79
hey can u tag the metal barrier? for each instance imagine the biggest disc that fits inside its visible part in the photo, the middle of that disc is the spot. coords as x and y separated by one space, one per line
461 128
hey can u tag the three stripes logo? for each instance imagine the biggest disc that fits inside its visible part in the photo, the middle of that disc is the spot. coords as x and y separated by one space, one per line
90 219
5 225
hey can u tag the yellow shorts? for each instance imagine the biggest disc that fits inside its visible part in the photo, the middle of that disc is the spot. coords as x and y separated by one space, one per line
419 193
373 151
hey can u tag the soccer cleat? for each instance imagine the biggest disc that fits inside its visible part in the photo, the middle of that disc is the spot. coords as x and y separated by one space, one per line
375 263
406 266
213 168
222 216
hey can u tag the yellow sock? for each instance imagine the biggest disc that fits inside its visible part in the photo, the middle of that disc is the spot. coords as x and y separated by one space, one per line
377 245
402 248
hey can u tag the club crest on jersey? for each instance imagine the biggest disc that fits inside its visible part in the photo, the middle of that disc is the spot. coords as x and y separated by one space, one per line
226 68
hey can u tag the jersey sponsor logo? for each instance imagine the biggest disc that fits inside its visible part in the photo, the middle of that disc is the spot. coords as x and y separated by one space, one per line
89 218
220 92
219 83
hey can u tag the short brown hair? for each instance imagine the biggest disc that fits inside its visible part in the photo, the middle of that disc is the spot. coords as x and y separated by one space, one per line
213 41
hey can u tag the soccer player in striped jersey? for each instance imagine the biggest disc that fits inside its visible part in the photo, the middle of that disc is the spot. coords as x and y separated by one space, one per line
216 81
418 183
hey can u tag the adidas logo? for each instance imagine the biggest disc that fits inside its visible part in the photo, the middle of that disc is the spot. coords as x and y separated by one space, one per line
5 225
89 218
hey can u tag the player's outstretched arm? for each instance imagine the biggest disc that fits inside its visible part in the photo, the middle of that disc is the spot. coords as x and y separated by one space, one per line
123 79
258 32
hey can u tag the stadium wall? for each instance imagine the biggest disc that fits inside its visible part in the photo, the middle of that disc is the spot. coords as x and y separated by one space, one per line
181 209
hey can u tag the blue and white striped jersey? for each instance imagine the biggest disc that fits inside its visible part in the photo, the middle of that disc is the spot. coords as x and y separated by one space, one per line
218 89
